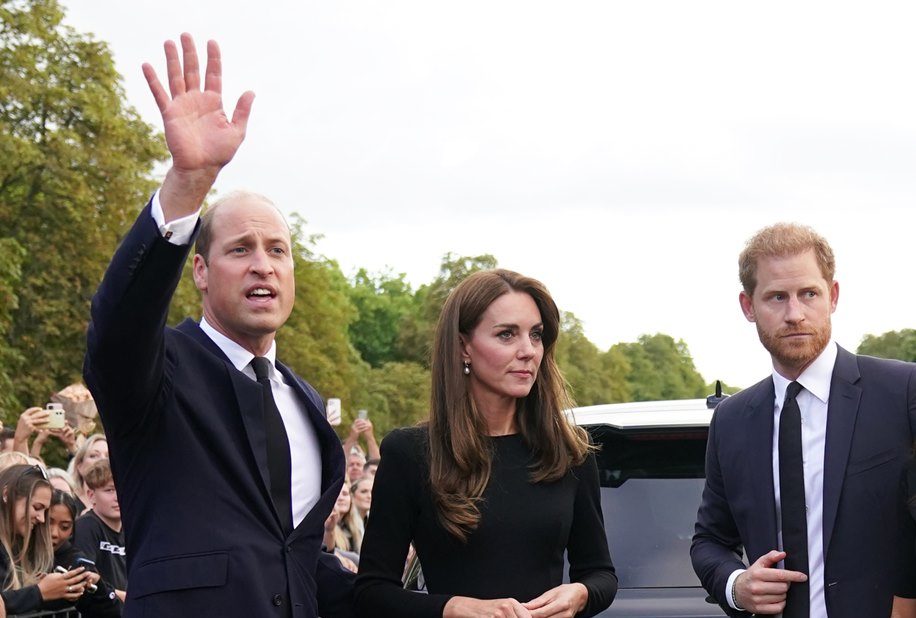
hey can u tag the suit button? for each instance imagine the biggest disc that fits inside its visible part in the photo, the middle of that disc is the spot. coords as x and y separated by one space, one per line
278 600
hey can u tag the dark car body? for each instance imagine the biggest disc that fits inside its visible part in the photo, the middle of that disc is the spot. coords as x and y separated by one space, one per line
651 466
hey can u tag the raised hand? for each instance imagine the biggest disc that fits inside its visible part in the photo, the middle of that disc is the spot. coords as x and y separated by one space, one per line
200 137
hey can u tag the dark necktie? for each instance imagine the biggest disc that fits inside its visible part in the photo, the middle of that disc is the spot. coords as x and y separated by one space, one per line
279 462
792 500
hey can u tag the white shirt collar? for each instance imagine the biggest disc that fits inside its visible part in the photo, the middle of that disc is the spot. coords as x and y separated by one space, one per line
815 379
238 356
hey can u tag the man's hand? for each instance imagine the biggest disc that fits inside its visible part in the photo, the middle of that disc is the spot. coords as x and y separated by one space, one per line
564 601
762 589
201 139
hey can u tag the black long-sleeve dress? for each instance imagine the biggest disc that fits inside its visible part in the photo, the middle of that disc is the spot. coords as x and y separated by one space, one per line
516 551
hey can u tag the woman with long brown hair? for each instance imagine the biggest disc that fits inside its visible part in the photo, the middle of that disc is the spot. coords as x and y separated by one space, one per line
497 484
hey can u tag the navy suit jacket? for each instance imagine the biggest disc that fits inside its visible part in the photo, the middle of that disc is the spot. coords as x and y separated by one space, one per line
871 417
187 447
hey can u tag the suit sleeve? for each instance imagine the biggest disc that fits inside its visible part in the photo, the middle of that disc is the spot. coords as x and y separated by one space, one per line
716 548
125 358
906 559
395 498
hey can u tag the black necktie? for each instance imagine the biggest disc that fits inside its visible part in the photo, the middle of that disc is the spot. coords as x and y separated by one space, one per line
279 462
792 500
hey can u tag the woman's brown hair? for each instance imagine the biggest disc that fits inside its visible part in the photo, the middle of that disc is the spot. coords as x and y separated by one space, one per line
459 445
32 555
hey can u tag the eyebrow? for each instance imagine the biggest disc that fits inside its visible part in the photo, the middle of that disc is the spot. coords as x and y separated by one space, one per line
515 326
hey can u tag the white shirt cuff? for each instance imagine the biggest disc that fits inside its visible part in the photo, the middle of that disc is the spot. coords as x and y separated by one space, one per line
728 589
177 232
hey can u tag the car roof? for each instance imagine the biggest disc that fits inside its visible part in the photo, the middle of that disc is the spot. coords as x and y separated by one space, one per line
681 413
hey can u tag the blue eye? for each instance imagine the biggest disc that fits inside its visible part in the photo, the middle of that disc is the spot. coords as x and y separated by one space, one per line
537 335
505 335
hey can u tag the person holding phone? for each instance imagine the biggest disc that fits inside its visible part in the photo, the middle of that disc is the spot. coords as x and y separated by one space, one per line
26 554
497 473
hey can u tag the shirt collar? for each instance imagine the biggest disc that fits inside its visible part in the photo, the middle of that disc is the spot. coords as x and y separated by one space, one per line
815 379
238 356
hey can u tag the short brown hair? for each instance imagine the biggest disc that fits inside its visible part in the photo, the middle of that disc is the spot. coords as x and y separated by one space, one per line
98 475
205 235
783 240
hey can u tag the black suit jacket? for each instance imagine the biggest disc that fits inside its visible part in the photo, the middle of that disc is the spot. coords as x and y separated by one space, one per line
871 416
186 440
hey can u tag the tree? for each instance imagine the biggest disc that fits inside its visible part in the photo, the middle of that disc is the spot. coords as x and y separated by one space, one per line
661 368
899 344
383 302
593 377
74 168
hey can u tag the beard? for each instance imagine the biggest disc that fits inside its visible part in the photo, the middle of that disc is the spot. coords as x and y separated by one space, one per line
795 354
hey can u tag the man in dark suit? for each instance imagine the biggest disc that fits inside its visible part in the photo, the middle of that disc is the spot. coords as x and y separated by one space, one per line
803 468
225 465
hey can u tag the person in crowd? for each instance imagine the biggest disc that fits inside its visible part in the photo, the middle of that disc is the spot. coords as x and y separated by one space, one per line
12 458
803 468
26 553
103 602
61 479
496 473
94 449
7 439
356 460
336 538
361 495
223 454
371 467
361 428
99 534
66 435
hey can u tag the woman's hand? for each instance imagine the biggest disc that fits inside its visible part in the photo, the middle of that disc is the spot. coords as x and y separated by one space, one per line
466 607
564 601
69 585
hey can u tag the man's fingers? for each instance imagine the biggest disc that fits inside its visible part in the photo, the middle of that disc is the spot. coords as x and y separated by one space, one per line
213 80
173 69
770 558
191 68
243 110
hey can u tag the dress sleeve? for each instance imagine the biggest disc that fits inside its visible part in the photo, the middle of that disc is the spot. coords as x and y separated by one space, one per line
396 496
589 558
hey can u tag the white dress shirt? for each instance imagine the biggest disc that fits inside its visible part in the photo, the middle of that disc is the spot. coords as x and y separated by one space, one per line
812 402
304 449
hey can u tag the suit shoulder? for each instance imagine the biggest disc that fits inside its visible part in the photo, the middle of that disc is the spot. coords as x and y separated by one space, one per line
745 396
885 366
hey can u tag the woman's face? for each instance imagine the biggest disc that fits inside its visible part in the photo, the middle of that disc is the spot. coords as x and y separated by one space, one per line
362 496
60 523
32 513
342 506
98 450
505 348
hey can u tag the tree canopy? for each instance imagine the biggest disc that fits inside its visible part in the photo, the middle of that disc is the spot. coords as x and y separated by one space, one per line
899 344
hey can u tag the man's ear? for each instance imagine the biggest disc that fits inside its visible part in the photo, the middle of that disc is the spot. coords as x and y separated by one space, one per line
747 306
200 272
834 295
90 493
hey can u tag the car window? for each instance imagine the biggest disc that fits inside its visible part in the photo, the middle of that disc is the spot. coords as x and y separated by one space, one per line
650 490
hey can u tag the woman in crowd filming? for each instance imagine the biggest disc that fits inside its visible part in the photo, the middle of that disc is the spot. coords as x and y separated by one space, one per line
497 484
26 554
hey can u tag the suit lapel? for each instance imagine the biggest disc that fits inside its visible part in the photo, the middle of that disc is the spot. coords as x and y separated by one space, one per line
842 410
332 468
248 396
760 456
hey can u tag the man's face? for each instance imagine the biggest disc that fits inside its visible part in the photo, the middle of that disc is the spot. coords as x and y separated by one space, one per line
247 280
791 307
105 502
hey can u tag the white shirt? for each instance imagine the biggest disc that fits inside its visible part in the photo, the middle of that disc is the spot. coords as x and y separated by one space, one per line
812 402
304 449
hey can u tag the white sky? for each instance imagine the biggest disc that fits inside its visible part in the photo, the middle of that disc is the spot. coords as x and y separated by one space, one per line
621 152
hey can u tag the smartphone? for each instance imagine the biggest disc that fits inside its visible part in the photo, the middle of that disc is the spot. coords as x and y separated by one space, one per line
56 418
333 411
363 414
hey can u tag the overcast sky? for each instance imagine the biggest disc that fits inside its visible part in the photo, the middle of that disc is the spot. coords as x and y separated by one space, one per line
621 152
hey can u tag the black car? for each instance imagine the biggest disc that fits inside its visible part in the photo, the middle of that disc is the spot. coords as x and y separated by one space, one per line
651 466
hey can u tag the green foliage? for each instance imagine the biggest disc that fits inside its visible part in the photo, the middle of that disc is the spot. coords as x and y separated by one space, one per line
383 302
74 168
12 255
661 368
594 377
396 394
899 344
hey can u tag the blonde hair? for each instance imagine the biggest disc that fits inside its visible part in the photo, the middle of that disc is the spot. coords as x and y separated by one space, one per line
783 240
33 554
77 460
